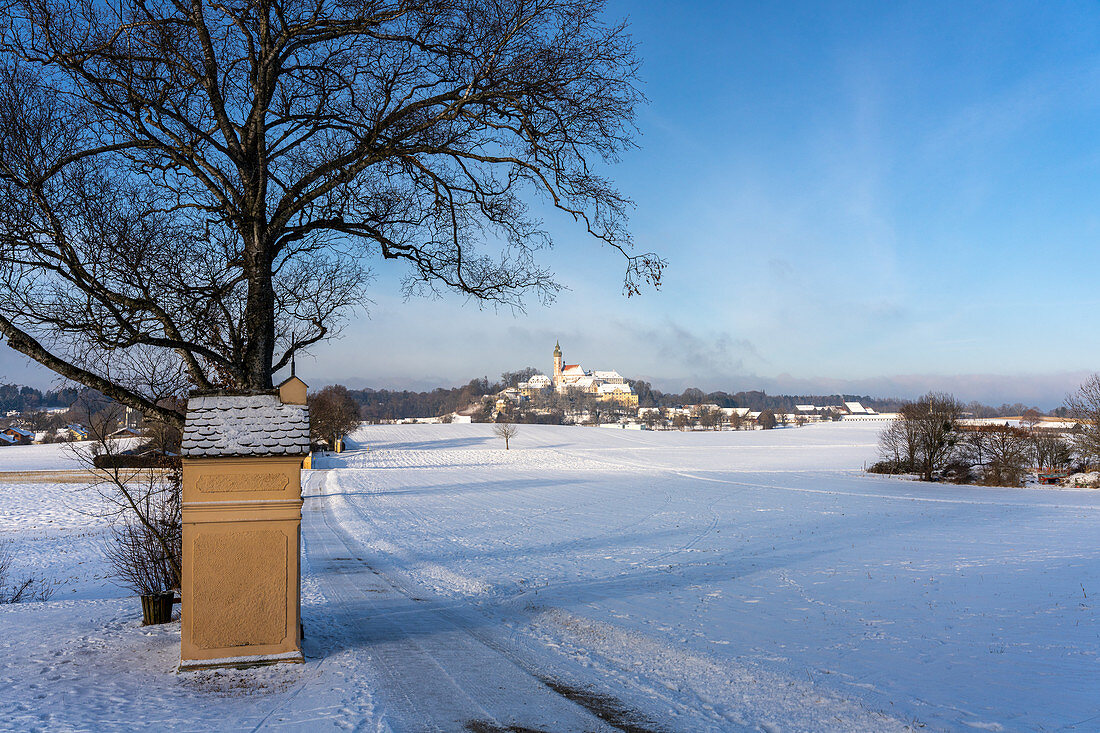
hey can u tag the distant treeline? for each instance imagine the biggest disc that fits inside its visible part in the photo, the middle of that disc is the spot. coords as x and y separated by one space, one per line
754 399
384 404
29 399
757 400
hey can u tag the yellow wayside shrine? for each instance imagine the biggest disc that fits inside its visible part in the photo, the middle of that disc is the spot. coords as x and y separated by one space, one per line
242 514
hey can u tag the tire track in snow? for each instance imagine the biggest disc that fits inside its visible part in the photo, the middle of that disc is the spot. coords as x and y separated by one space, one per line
697 476
435 674
506 627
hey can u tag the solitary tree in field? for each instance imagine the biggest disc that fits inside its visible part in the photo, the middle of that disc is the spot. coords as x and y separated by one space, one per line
1030 418
332 414
505 430
191 193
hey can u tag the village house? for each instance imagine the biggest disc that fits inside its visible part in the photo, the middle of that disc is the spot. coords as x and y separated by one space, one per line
126 432
16 436
75 432
511 395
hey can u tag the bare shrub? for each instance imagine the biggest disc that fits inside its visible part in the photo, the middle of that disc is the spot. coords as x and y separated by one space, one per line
144 504
1084 406
888 466
30 588
145 550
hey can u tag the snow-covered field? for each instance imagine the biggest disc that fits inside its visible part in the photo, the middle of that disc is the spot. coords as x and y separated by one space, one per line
594 579
53 457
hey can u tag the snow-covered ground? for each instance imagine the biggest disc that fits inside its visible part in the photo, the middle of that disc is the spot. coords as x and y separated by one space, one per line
605 580
52 457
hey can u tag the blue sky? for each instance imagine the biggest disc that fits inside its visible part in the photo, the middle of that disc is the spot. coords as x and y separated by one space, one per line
879 197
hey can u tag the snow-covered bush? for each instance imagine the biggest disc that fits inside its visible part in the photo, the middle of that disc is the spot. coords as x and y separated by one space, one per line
1089 480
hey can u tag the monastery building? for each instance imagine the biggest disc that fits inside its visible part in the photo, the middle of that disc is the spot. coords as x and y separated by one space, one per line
607 386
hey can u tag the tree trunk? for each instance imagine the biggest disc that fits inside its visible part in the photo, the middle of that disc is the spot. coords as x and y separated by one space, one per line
259 318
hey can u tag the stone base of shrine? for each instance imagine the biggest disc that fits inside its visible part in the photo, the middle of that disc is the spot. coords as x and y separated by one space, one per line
241 540
256 660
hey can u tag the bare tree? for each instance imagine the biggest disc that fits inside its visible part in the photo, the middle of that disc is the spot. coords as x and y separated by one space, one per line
208 182
895 449
931 427
737 420
710 418
1008 453
505 430
1052 451
333 414
1084 407
1030 418
975 443
766 419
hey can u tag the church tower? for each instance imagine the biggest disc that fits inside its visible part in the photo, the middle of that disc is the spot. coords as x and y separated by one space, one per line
557 363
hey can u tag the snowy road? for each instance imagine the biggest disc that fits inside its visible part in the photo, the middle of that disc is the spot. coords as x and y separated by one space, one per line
431 666
594 579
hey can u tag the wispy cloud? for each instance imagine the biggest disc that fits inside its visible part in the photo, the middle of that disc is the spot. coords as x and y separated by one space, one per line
708 352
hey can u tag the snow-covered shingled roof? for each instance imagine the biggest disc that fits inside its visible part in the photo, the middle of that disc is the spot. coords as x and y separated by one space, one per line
607 388
244 425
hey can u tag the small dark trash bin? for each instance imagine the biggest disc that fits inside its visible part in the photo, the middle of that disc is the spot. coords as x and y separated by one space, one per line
156 608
